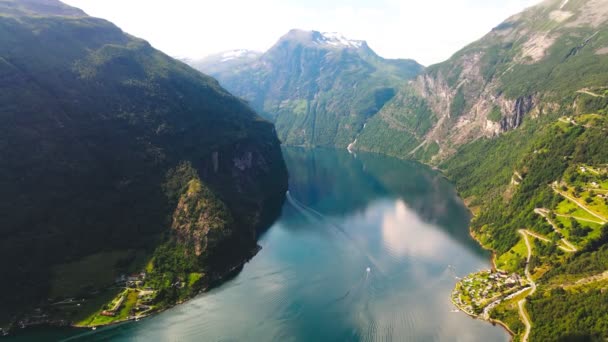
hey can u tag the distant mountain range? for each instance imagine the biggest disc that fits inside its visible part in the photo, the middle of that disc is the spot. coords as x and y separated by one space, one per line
318 88
322 89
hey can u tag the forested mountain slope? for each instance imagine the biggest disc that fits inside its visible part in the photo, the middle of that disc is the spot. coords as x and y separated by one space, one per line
533 64
110 149
318 88
545 182
520 125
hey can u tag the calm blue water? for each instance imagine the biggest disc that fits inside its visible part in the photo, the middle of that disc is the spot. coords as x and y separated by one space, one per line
367 249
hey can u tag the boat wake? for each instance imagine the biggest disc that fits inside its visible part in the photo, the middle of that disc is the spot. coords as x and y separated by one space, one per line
314 215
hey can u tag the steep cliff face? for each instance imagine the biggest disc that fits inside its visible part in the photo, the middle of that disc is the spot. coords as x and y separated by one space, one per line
527 66
200 219
318 88
94 123
225 201
467 111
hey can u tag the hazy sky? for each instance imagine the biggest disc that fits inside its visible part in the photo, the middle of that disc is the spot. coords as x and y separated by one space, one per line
429 31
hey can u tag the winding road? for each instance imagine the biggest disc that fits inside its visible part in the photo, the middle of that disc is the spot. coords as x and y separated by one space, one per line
584 91
521 304
579 218
525 233
603 219
570 247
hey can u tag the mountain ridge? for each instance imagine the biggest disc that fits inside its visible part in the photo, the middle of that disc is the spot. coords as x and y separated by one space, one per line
39 8
478 93
319 89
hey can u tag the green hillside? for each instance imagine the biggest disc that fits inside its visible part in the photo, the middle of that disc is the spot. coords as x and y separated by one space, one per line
547 177
542 181
535 63
100 137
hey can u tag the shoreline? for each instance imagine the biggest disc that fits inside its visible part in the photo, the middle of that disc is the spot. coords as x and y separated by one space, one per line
234 270
217 282
489 320
443 174
494 268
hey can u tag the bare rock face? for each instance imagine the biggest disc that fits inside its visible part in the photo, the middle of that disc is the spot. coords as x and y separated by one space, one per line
454 127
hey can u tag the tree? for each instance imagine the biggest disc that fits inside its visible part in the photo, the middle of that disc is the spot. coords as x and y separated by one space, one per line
574 223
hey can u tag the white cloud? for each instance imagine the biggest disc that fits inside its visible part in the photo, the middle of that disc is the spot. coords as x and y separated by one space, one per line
429 31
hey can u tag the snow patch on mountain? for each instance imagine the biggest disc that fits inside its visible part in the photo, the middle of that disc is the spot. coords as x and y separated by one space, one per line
234 54
338 40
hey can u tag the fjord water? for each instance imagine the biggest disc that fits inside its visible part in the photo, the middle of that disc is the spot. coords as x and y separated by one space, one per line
367 249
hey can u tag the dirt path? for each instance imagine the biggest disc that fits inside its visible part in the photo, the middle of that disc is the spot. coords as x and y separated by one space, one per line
583 281
538 236
524 318
571 248
584 91
596 190
592 279
579 218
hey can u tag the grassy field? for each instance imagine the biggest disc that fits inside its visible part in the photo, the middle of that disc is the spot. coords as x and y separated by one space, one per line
511 260
80 310
595 120
193 278
595 228
128 304
597 205
566 207
96 271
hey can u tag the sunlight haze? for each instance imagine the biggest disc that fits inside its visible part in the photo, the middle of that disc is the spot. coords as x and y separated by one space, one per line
427 31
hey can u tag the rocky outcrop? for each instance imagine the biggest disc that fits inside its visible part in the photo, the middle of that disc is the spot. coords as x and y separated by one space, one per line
251 191
200 218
